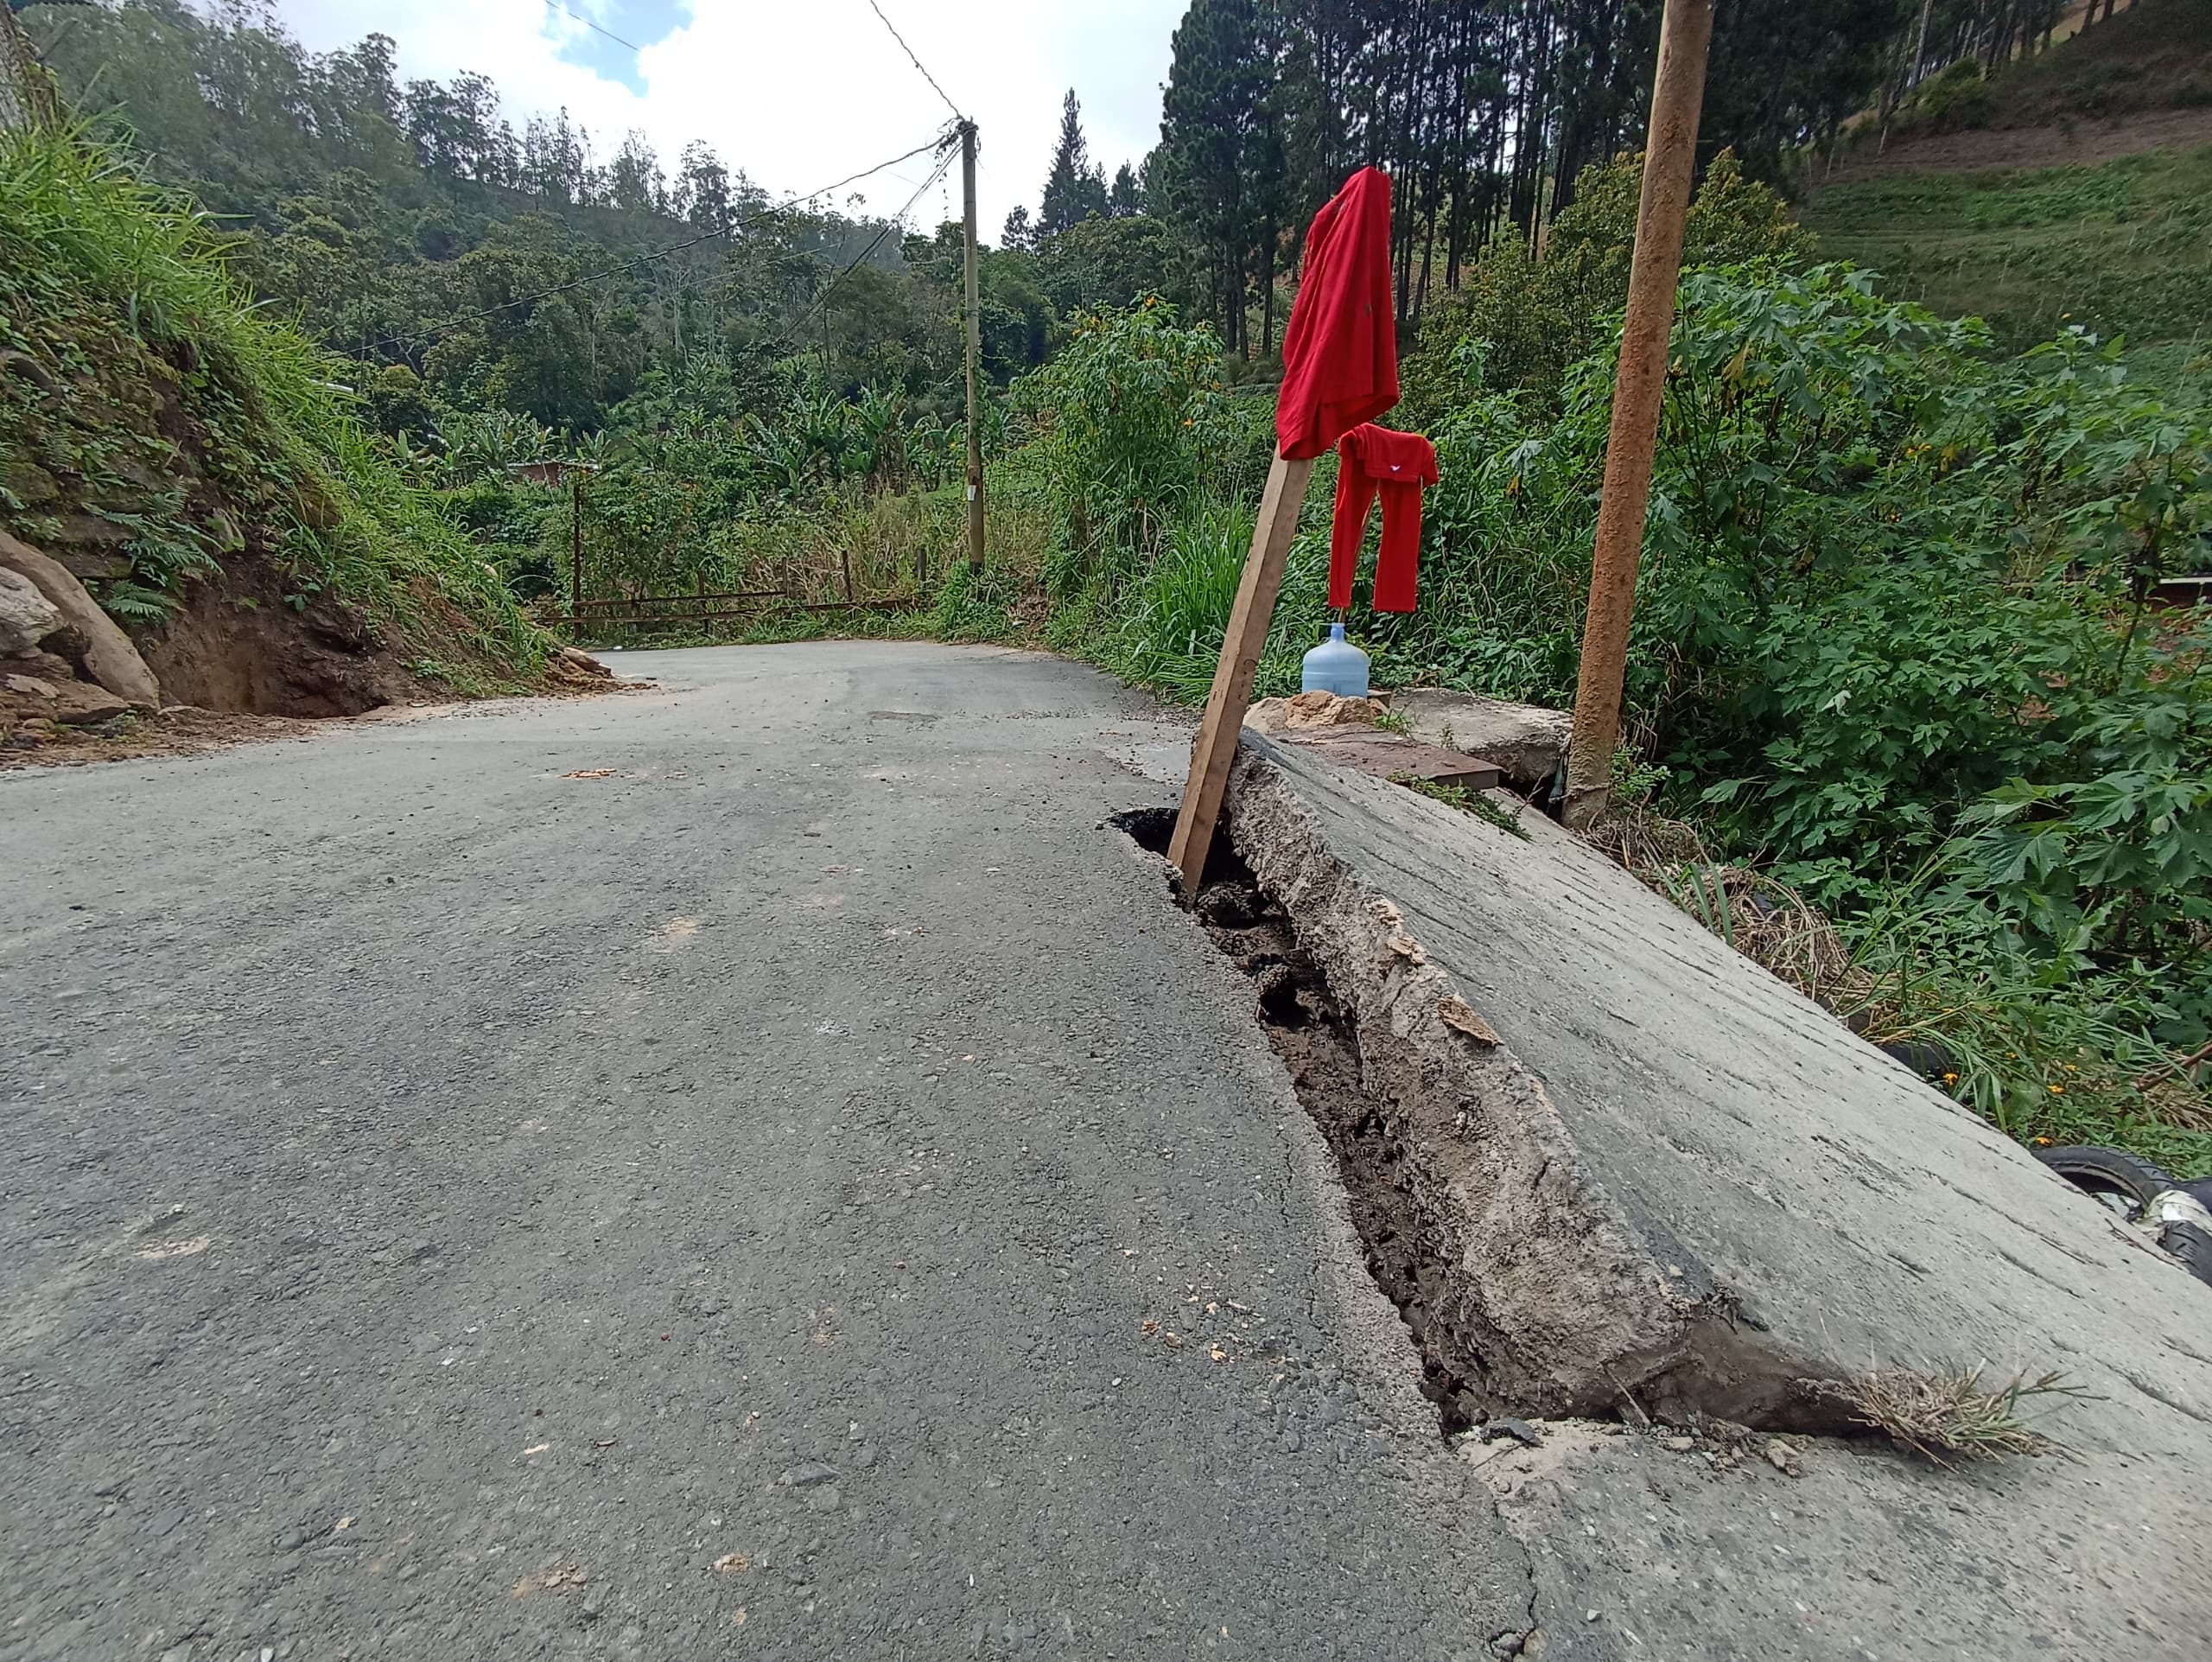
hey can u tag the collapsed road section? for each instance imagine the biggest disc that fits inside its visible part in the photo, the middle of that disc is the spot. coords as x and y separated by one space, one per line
1608 1167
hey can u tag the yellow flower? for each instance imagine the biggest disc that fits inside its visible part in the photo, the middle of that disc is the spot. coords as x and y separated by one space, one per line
1950 1079
2058 1090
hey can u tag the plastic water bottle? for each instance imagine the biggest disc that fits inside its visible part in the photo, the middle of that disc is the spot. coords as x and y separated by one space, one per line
1336 665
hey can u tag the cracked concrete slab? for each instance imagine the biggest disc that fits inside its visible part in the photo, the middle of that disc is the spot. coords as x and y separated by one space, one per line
1671 1178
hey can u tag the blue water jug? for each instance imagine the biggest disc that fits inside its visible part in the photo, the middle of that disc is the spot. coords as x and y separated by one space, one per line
1336 665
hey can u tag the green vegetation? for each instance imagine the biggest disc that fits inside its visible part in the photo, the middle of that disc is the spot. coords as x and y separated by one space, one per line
2124 248
1894 645
144 392
2154 55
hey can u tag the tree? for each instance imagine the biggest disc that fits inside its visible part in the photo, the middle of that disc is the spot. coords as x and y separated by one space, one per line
702 193
1018 233
1074 190
634 180
1214 84
1109 263
1126 200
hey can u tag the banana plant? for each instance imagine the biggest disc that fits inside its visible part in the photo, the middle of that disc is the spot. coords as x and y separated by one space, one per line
878 423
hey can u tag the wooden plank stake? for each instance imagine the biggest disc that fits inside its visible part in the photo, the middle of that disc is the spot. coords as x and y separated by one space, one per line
1640 383
1216 748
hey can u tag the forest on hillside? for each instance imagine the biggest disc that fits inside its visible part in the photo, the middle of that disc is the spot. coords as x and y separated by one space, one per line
1910 714
514 260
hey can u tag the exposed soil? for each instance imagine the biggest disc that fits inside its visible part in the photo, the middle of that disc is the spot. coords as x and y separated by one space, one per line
1319 1047
2084 144
1429 1195
183 731
239 645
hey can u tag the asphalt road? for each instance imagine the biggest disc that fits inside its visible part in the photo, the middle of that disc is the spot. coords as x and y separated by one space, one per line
456 1204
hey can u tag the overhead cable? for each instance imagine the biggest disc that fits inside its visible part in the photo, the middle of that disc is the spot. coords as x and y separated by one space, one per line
916 61
874 243
730 230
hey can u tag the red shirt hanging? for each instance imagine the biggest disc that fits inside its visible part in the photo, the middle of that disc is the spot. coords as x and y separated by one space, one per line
1340 348
1375 461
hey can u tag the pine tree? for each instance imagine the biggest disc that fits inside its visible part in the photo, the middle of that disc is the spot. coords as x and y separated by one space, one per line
1019 234
1214 83
1075 190
1125 200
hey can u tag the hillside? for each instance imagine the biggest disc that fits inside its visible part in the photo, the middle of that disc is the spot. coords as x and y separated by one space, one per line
2124 248
196 468
2072 187
2154 56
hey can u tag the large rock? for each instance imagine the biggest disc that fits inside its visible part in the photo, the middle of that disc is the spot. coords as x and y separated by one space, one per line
78 703
1524 740
27 616
110 658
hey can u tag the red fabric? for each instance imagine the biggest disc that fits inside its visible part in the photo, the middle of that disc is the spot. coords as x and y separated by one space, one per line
1340 349
1374 460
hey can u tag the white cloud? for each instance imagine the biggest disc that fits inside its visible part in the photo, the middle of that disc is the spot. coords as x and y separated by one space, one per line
799 95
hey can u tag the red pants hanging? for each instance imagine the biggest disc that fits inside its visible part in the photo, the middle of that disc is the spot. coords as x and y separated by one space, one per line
1375 461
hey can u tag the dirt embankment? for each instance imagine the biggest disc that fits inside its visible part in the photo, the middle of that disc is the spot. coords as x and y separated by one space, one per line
241 643
2070 144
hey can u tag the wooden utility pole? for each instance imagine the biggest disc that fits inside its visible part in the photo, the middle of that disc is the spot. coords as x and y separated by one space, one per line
975 346
1216 748
1669 164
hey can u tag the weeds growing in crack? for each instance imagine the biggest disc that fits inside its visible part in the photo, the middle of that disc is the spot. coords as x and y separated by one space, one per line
1482 807
1953 1411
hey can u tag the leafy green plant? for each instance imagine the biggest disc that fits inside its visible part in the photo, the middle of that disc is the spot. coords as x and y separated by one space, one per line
1473 803
1123 420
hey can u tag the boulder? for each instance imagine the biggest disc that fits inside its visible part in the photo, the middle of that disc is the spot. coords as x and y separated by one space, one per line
77 704
1524 741
110 658
27 616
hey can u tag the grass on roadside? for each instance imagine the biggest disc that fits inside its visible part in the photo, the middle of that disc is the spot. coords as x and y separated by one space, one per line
2124 248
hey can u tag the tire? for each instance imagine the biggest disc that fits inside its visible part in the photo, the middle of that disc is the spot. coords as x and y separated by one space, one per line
2192 1245
2123 1183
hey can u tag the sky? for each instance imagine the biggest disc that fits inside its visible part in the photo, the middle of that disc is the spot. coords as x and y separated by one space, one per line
798 95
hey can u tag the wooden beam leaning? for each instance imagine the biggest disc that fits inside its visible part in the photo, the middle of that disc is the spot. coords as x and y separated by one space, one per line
1215 750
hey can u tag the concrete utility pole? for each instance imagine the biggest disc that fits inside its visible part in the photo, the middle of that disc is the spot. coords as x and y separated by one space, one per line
974 346
1669 164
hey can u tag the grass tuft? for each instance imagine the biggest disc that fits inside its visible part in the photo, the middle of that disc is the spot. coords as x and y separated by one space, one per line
1954 1414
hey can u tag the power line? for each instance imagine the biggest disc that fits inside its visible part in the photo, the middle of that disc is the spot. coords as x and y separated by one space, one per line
594 28
746 223
874 243
916 61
